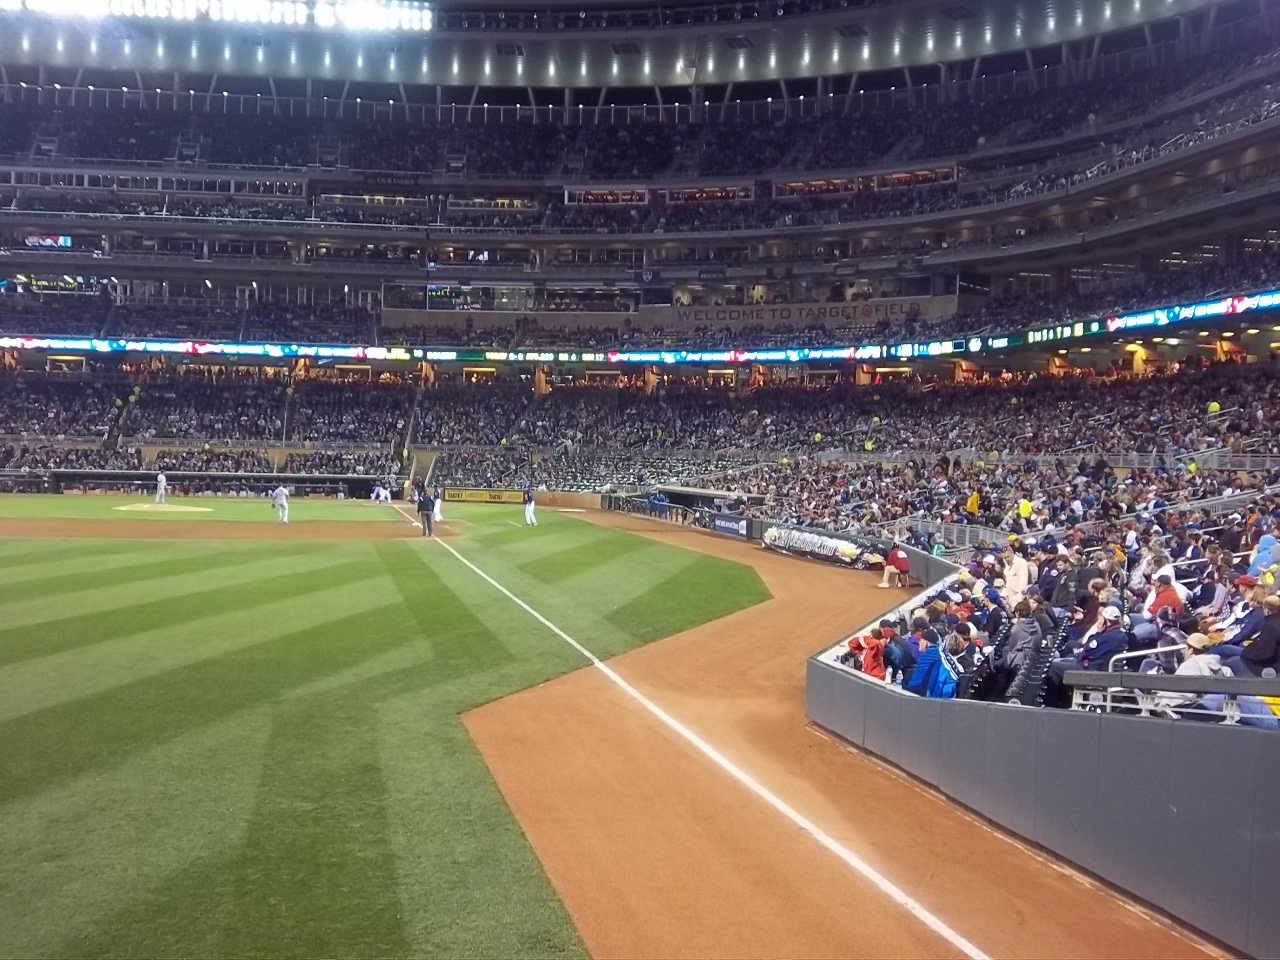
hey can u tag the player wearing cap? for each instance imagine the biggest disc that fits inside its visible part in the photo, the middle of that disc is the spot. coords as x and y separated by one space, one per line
280 500
529 519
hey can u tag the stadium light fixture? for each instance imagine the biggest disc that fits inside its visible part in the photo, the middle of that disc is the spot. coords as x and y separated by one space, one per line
348 15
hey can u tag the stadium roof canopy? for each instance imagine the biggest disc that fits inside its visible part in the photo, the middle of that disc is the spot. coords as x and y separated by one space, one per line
519 44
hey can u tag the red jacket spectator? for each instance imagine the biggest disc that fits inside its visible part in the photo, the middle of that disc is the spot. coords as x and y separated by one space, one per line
871 647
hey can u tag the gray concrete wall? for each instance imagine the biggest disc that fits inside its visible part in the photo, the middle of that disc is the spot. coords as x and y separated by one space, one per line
1183 815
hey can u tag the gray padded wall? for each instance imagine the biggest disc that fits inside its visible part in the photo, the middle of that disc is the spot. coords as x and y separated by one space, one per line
1181 814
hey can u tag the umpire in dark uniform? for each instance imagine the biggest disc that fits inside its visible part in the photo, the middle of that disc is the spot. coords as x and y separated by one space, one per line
426 508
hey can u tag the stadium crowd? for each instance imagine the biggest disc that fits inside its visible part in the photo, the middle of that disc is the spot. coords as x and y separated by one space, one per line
212 461
39 456
726 144
206 403
363 463
339 410
52 407
1178 592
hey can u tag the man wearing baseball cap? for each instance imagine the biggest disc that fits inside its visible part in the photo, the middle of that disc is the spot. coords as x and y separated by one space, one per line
1109 639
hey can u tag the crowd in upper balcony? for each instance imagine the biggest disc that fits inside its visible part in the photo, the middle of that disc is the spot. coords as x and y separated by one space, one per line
468 141
981 183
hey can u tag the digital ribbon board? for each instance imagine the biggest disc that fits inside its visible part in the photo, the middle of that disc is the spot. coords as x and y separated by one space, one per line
1156 318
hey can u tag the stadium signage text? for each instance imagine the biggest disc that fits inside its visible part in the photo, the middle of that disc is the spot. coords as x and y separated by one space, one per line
807 312
467 495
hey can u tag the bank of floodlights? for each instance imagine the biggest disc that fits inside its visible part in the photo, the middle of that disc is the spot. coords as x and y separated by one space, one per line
380 15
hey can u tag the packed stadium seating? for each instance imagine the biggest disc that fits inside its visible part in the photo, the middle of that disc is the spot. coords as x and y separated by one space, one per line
964 453
642 150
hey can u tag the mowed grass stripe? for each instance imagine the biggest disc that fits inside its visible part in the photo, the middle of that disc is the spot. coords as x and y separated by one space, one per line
633 599
19 612
708 585
59 679
104 839
74 567
103 728
23 553
316 874
440 615
177 609
149 568
532 539
313 875
586 555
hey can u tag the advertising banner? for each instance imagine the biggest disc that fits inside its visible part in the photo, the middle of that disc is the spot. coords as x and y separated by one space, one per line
466 495
859 553
730 526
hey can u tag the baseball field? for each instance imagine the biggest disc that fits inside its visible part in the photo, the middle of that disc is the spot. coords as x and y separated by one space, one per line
225 737
233 747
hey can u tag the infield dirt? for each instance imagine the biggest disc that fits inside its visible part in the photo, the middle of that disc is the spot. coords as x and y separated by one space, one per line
658 853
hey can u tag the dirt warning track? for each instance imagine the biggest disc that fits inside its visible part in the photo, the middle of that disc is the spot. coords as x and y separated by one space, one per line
657 852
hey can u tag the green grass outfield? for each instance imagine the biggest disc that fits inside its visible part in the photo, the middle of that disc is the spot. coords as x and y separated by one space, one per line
252 748
252 509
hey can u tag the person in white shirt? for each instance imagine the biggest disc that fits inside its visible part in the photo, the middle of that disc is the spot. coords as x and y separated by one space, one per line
280 499
162 484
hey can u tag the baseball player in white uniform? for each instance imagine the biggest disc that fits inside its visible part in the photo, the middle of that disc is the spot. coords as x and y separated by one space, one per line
529 519
162 485
438 514
280 498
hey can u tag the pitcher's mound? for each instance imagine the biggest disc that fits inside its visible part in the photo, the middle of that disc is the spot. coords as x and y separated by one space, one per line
164 508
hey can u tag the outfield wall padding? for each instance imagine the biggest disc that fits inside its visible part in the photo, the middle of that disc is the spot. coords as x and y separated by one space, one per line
1182 815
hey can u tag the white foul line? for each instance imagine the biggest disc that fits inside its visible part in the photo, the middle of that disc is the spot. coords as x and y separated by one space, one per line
870 873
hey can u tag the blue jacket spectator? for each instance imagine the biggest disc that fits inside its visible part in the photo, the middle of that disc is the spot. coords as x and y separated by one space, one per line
935 675
1097 652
